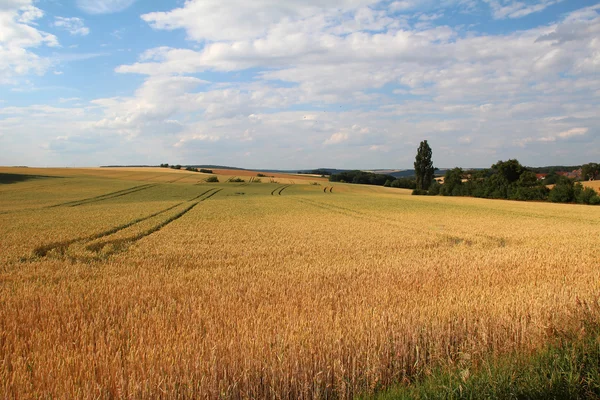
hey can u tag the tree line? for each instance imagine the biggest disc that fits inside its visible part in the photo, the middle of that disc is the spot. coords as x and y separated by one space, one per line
503 180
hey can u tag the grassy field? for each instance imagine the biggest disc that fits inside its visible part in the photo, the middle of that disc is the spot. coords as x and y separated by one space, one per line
152 283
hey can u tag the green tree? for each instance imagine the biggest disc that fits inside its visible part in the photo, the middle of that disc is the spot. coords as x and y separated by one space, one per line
563 191
510 170
590 172
424 166
586 195
453 182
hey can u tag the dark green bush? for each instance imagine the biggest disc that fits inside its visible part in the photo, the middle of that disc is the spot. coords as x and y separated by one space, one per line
212 179
563 191
434 188
586 195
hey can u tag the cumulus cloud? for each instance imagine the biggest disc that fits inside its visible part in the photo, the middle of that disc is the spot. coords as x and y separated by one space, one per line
238 19
18 35
337 138
73 25
354 82
493 93
29 13
154 104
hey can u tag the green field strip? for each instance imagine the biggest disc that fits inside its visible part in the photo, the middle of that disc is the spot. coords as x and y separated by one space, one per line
202 194
123 239
32 186
179 179
106 196
43 250
144 226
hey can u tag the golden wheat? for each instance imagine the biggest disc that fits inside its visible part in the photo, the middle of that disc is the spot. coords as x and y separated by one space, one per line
303 294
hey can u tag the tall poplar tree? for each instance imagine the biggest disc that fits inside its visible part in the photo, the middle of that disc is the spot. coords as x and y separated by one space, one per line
424 166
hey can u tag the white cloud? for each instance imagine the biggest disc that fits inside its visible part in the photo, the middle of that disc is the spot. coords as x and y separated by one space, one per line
492 92
153 104
347 82
337 138
29 13
73 25
502 9
573 133
239 19
104 6
18 36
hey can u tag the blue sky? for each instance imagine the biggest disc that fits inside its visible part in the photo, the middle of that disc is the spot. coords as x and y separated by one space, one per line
299 84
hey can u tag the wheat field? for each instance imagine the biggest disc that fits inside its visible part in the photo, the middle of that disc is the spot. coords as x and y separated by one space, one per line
118 283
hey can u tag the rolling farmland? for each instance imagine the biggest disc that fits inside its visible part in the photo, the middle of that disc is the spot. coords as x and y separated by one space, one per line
153 283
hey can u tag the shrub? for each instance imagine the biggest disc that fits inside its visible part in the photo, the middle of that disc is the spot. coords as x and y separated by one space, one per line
434 188
419 192
236 180
211 179
586 195
261 175
404 183
388 183
562 192
206 171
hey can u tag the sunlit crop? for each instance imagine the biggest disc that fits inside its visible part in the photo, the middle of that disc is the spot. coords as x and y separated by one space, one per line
129 283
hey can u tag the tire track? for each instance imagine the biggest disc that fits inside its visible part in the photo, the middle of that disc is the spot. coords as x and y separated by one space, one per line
122 244
60 249
283 188
276 189
107 196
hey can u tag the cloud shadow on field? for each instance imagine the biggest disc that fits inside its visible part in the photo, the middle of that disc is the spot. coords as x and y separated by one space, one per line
17 178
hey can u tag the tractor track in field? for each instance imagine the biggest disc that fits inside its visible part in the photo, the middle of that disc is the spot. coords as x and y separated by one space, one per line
279 189
274 190
60 249
103 197
282 189
152 177
179 179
